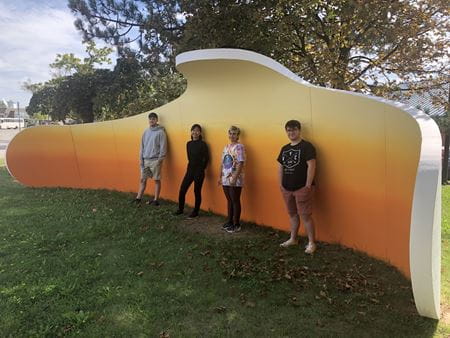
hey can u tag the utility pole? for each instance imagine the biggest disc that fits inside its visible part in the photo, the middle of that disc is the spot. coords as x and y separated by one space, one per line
18 113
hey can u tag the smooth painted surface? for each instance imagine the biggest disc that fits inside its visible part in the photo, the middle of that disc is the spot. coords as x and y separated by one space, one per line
370 195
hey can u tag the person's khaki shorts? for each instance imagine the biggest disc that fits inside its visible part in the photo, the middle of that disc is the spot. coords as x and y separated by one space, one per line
298 202
152 169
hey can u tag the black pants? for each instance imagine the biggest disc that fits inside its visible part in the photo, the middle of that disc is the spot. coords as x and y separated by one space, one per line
233 195
196 176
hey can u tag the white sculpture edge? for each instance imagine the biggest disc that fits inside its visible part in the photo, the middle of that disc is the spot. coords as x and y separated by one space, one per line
425 229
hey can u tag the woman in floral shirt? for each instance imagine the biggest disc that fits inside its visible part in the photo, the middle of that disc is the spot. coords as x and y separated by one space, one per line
232 178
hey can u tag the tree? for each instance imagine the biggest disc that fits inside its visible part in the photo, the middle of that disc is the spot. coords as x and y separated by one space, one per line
444 125
71 94
87 93
69 64
368 46
132 89
154 25
42 101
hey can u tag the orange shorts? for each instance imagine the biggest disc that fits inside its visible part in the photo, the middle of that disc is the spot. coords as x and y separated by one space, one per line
298 202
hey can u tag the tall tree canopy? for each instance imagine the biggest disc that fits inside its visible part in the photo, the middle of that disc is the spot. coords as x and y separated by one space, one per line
359 45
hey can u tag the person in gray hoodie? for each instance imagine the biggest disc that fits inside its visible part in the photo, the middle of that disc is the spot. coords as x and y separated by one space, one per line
153 151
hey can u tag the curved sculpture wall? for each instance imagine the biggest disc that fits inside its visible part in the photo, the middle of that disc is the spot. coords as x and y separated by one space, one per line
378 179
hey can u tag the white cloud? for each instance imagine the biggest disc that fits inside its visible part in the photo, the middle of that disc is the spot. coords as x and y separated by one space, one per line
30 38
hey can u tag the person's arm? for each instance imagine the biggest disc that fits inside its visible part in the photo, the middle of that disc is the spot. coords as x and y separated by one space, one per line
219 182
162 146
280 174
141 153
205 156
187 152
239 165
236 174
311 172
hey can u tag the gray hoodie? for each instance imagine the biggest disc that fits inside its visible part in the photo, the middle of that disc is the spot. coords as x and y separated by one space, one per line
153 145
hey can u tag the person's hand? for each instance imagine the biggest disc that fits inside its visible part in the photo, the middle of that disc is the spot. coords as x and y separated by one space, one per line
233 180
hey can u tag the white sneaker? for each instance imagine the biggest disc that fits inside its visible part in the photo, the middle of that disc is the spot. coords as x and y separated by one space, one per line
310 248
289 242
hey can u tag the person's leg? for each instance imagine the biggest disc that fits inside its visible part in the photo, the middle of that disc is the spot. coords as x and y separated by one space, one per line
304 199
226 190
142 186
235 195
198 183
156 170
157 189
236 199
294 219
187 181
308 222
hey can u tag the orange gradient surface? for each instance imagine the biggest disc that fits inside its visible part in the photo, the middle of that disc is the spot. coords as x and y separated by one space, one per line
367 153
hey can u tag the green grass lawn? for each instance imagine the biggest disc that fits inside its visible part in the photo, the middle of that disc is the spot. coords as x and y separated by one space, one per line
84 262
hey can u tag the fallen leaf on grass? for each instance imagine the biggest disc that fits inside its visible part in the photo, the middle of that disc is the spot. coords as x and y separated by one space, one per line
140 273
68 328
220 309
144 228
164 334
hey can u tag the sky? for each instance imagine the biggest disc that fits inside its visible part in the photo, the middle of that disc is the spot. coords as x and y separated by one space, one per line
32 33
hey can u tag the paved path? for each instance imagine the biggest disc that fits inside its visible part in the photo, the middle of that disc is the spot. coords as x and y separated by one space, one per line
5 137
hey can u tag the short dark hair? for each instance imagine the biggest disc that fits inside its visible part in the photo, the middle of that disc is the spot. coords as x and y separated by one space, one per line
199 127
153 114
293 124
196 126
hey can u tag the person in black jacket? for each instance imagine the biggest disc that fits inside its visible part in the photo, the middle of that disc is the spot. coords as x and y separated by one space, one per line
198 157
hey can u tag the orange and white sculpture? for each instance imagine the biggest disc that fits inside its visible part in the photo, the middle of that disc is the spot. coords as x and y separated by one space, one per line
378 179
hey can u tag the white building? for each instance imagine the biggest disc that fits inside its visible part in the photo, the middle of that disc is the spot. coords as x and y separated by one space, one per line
10 109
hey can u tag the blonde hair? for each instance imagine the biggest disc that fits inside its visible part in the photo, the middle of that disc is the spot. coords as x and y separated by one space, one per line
236 129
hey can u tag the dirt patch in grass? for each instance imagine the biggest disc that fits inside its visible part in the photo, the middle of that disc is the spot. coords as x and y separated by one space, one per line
211 225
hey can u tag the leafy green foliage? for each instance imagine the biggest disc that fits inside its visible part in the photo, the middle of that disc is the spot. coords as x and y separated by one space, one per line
84 262
131 89
367 46
87 93
69 64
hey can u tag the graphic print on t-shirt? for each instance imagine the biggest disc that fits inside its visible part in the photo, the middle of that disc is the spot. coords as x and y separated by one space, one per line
232 155
291 158
227 161
294 159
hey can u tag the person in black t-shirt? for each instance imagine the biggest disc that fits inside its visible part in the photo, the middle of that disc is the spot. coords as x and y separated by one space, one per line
296 172
198 157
